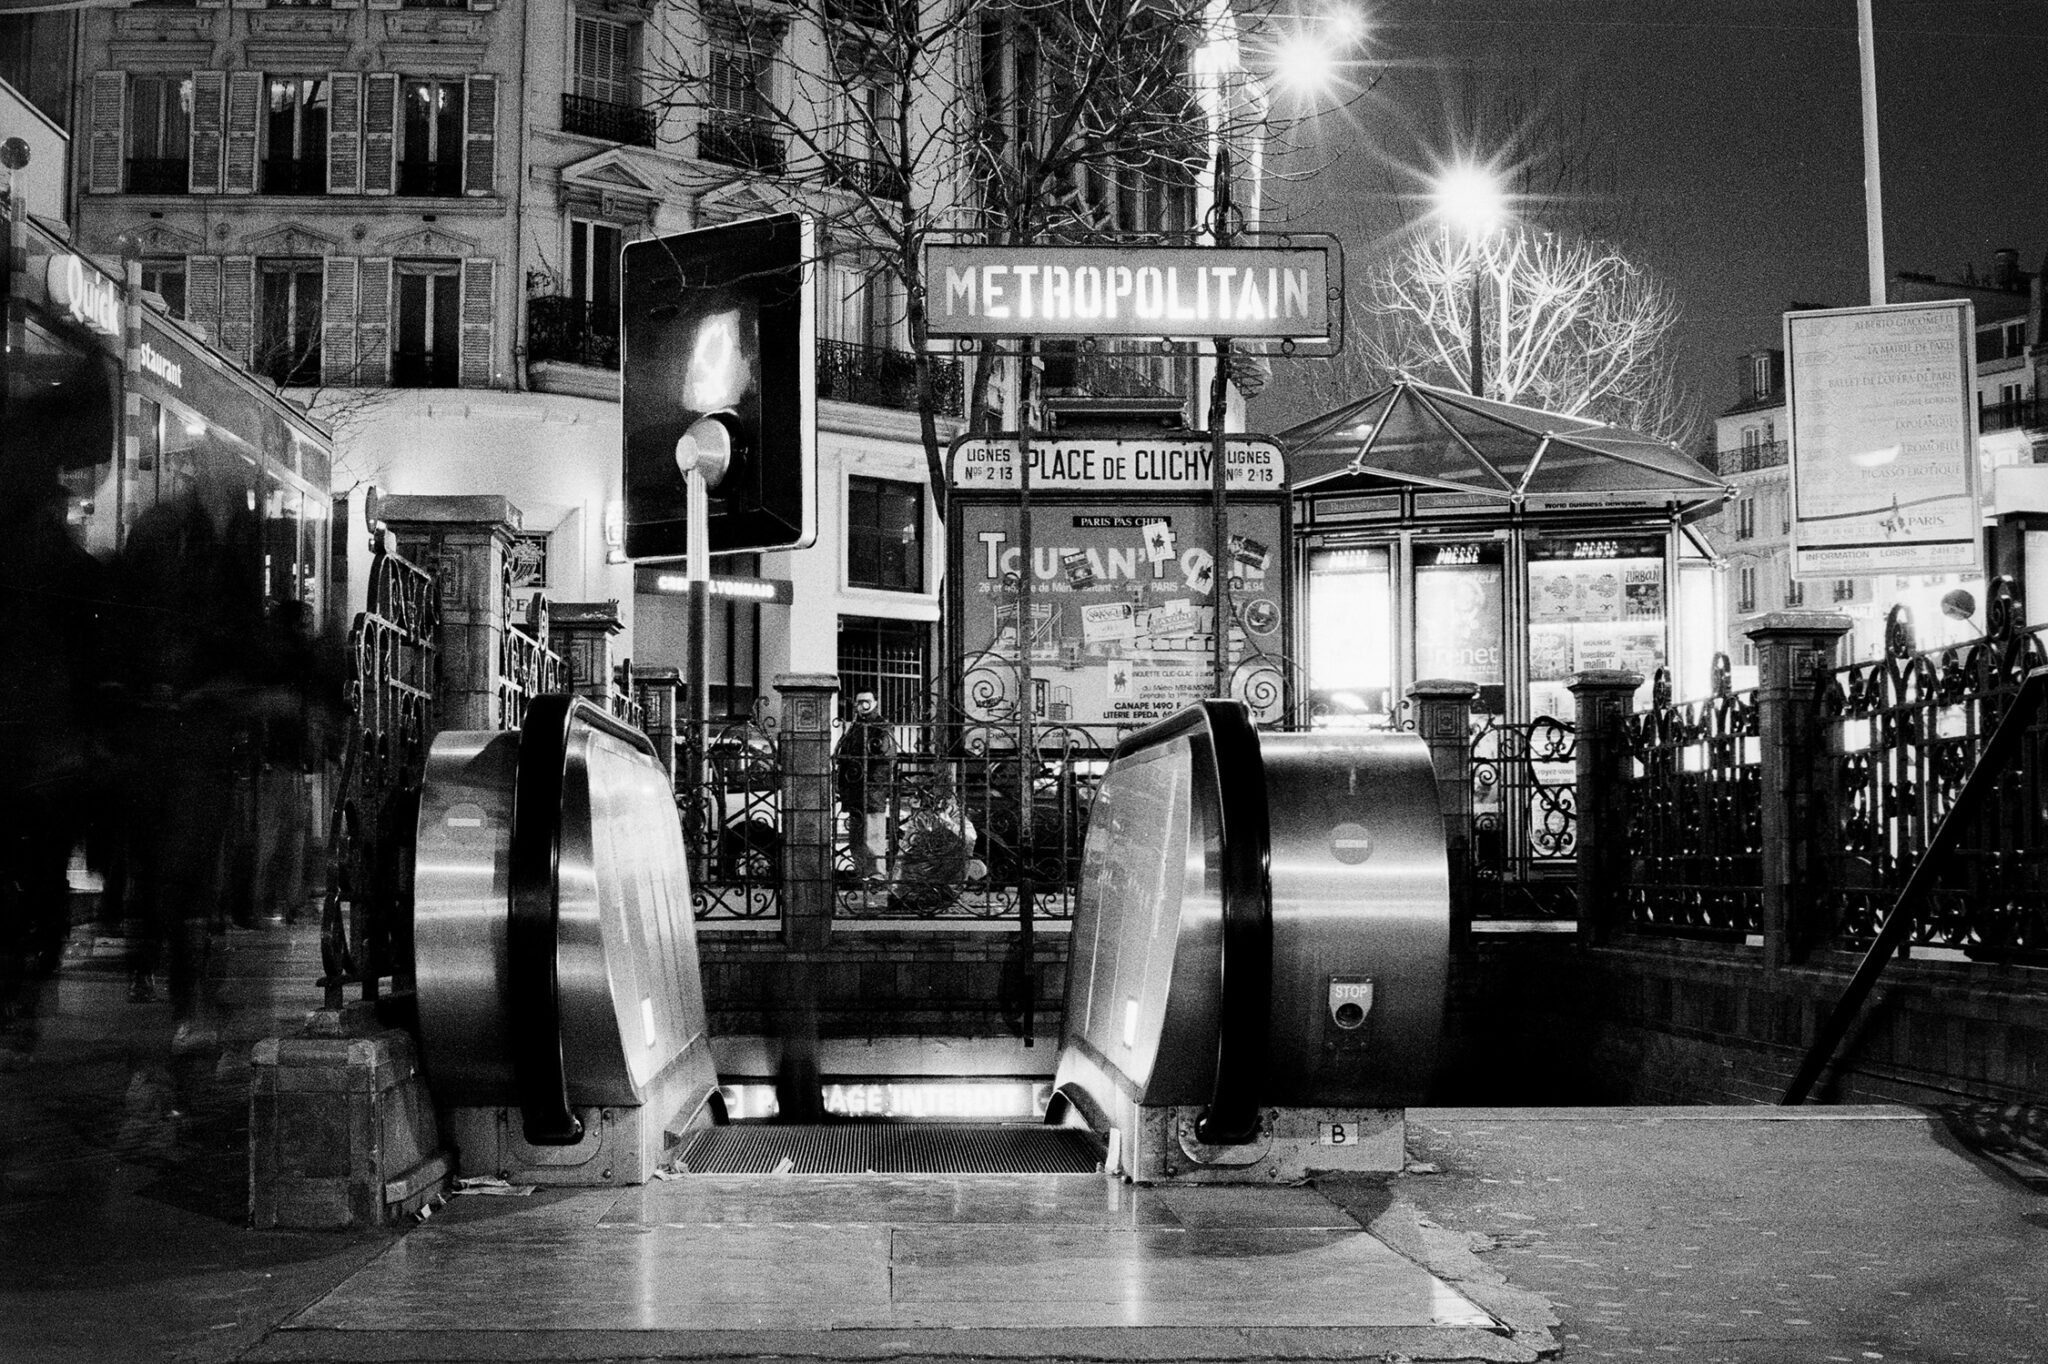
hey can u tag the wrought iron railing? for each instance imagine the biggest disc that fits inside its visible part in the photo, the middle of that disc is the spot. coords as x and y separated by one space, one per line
626 123
527 667
879 377
1900 735
736 823
1103 374
1525 820
1748 459
574 330
366 914
736 140
295 175
159 175
868 174
1692 812
2011 416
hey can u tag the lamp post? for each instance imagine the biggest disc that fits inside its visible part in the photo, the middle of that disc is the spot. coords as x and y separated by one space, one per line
1306 62
1469 199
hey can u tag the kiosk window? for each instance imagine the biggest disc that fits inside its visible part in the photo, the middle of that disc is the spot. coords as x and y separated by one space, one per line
1593 604
1350 634
1458 620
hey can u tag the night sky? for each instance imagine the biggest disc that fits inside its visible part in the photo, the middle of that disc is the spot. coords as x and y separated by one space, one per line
1720 140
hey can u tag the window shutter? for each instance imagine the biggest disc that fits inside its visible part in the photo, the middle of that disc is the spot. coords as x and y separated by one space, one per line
245 111
480 136
238 306
373 322
104 147
209 100
380 133
338 321
202 293
344 132
479 285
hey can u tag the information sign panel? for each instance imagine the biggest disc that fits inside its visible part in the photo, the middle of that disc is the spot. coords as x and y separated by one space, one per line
1884 464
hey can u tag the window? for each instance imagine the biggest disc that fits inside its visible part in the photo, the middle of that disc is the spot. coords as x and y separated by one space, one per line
1845 589
1760 376
1795 592
884 535
1782 499
2016 338
736 81
886 657
1745 518
166 279
604 60
288 320
594 266
295 147
736 131
159 135
430 153
1752 439
428 294
1745 589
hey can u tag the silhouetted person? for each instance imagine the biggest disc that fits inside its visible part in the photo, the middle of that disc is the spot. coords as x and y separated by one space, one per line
50 596
866 771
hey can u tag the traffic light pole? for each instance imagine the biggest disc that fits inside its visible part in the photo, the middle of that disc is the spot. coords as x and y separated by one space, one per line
702 456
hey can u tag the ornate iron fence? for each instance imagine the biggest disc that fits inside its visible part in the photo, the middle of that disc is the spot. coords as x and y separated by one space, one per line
527 667
1525 820
366 915
1899 736
734 823
1693 813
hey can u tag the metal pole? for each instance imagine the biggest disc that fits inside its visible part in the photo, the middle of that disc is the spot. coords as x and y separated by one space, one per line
1873 192
697 567
1027 701
1219 481
1478 347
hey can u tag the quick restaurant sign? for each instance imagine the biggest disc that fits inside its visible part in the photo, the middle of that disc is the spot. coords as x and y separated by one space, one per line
1276 293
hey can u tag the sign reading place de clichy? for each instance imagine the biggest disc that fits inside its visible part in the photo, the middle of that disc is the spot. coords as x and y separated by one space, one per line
1273 293
1884 453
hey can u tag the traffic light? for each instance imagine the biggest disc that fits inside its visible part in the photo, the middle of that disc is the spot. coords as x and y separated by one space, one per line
719 344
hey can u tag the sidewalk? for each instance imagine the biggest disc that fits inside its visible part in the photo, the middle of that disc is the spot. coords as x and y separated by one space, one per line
1742 1235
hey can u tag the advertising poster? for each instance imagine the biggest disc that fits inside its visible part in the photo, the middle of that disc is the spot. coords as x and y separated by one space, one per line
1121 627
1884 462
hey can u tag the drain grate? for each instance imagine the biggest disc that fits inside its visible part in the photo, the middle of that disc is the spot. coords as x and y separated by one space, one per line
893 1149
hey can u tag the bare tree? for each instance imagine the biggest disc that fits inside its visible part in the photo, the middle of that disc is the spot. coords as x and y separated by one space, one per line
895 121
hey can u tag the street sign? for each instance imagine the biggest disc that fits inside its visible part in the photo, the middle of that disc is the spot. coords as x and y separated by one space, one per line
1158 464
1278 294
1883 426
760 591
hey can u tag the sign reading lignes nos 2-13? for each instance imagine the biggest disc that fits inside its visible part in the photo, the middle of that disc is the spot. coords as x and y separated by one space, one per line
1276 294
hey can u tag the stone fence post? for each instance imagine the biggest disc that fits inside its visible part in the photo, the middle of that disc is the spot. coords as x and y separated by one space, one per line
807 884
1443 718
1795 650
463 542
1603 697
582 632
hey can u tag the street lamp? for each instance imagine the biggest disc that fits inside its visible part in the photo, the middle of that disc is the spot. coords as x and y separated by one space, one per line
1469 198
1306 63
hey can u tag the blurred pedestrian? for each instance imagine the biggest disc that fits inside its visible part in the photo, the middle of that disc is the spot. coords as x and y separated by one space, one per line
50 599
866 775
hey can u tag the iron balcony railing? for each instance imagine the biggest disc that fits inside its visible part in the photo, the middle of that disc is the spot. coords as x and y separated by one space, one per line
625 123
1747 459
574 330
877 377
295 175
737 140
424 177
2011 416
870 175
1103 375
159 175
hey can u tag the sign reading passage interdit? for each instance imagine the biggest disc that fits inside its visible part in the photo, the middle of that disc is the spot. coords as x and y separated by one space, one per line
1884 462
1278 294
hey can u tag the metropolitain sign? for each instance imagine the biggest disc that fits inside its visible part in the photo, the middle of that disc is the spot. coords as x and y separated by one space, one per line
1256 293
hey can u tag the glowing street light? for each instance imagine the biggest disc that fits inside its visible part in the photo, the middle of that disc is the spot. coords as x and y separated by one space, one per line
1469 198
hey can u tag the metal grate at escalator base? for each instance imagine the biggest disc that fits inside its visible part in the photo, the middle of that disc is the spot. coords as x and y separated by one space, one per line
893 1149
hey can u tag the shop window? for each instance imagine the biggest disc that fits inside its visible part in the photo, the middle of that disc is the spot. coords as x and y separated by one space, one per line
166 279
884 535
295 147
430 147
159 135
288 321
428 348
1350 634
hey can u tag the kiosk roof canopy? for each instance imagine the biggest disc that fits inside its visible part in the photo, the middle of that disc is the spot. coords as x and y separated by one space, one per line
1413 435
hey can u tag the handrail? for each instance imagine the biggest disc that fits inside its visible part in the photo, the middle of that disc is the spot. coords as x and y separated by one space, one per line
533 996
1991 764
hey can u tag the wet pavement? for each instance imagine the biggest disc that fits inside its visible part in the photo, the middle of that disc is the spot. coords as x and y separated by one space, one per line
1742 1235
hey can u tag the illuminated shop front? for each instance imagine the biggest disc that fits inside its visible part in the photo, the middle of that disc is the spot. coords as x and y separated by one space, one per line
1442 536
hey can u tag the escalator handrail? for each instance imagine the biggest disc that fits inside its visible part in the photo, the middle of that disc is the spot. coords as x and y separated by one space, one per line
1244 836
533 999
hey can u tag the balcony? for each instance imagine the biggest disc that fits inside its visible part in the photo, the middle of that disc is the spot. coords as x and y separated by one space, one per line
286 175
1099 375
865 174
572 330
877 377
159 175
736 140
2011 416
441 178
623 123
1748 459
